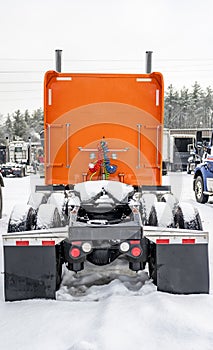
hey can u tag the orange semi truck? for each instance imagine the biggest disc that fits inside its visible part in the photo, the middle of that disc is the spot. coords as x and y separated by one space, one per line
103 196
124 111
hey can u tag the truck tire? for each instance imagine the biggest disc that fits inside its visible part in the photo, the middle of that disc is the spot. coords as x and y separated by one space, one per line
1 202
170 199
199 195
59 263
48 217
186 216
147 201
161 215
188 169
152 266
22 219
58 200
36 199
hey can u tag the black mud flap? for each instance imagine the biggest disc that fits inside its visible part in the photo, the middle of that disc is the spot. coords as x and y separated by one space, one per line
182 268
30 272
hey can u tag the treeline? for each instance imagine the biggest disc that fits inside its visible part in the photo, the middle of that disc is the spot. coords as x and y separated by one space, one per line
22 126
188 108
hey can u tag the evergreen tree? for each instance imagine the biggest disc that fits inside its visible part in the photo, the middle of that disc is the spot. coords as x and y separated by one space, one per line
189 109
19 125
171 107
38 123
197 105
38 120
29 125
184 108
208 103
27 117
2 135
8 128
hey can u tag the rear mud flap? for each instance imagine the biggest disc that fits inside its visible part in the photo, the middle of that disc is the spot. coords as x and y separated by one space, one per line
30 272
182 269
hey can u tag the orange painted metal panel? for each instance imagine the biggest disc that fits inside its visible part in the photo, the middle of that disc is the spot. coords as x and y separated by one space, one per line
123 112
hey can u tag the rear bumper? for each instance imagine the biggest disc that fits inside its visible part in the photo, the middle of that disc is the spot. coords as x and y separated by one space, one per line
30 265
17 172
106 232
7 173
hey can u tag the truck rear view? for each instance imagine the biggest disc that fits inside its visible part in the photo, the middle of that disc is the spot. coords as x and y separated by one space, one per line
103 198
86 112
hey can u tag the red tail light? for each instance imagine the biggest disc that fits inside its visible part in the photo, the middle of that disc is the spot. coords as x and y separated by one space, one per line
135 242
75 252
136 251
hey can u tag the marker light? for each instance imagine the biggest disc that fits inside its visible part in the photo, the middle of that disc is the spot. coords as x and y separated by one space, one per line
124 247
114 156
86 247
92 156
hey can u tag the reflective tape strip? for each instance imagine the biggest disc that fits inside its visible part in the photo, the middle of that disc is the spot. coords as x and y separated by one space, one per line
143 80
188 241
162 241
41 237
179 240
22 243
49 97
166 235
184 241
31 242
64 78
48 243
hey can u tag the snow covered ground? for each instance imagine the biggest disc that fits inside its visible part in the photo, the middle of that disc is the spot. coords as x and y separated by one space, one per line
110 308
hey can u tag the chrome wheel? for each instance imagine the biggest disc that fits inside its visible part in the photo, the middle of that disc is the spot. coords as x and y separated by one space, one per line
200 196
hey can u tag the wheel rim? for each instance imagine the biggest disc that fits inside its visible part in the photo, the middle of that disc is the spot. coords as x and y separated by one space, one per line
199 189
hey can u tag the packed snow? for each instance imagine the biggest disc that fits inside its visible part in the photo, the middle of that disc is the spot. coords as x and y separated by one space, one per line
119 190
107 308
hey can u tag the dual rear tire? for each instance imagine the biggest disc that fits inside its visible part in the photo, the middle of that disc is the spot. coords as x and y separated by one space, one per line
181 216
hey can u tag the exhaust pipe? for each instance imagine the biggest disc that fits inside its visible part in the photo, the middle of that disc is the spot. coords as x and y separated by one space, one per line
148 62
58 60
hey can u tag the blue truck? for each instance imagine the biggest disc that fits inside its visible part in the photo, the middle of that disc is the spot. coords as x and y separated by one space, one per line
1 200
203 175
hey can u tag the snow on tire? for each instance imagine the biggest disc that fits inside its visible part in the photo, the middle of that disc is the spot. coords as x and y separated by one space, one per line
147 201
186 216
36 199
48 216
1 202
58 200
170 199
161 215
22 218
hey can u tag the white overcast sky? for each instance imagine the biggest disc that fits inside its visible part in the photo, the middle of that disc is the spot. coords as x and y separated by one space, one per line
101 36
